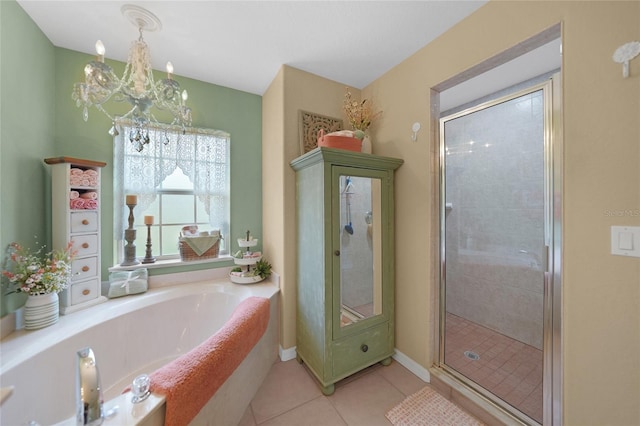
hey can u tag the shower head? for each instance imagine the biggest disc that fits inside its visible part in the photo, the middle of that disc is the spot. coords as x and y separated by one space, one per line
348 185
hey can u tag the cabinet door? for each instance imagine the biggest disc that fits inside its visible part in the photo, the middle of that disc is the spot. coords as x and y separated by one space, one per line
360 226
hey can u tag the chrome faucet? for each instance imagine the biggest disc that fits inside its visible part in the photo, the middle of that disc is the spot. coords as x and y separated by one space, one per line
88 390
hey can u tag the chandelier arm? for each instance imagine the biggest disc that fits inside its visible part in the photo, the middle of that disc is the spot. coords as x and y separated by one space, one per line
137 85
100 108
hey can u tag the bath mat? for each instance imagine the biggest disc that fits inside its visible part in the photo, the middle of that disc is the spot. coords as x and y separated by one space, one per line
428 408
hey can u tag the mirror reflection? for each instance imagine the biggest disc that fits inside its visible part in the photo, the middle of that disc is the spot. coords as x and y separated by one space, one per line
360 251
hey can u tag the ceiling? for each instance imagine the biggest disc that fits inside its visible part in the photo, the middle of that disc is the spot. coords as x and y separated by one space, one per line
243 44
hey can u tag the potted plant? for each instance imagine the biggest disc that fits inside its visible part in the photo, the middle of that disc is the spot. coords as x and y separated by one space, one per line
262 268
41 276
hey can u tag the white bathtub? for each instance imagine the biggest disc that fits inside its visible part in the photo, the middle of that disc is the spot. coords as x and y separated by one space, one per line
129 336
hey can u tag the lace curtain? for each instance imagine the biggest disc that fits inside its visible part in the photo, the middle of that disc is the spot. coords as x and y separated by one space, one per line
202 154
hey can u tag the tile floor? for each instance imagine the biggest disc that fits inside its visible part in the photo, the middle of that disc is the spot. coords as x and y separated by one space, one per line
290 396
508 368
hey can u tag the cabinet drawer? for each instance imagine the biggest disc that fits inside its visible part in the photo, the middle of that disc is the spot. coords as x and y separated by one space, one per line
349 354
85 291
85 245
84 222
84 268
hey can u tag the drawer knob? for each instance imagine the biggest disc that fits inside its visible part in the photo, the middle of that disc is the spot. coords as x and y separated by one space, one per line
85 221
85 268
337 252
85 245
86 291
364 348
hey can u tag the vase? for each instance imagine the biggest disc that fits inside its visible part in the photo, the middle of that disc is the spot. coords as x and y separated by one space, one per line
41 311
366 144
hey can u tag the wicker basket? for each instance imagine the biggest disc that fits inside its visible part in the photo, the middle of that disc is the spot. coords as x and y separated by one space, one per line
187 253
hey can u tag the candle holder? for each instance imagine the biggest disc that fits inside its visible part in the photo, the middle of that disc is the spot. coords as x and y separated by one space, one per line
130 237
148 258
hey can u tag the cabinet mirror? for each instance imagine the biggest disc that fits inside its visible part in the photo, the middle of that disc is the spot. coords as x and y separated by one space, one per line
360 249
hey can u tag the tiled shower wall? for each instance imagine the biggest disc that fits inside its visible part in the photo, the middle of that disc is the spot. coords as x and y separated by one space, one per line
356 258
495 217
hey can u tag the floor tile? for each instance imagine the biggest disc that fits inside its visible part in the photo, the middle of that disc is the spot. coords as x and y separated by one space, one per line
287 386
290 396
364 402
404 380
317 412
510 369
247 419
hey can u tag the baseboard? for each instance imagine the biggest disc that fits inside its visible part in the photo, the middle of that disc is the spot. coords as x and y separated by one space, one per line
402 359
412 366
286 354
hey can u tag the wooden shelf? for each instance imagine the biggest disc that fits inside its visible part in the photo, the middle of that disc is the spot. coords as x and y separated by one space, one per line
74 161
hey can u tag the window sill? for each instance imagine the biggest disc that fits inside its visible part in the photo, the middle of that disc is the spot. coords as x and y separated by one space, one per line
170 263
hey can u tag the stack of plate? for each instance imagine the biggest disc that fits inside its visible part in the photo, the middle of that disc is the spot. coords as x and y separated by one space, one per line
40 316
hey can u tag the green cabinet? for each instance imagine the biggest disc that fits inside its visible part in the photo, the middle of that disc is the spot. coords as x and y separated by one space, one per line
345 273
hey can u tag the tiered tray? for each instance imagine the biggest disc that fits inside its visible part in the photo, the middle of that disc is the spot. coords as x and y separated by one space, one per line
246 261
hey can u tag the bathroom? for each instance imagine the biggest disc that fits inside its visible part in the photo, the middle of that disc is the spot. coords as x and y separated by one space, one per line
601 130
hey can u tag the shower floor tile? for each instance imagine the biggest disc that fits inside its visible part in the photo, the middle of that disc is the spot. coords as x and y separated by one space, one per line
507 368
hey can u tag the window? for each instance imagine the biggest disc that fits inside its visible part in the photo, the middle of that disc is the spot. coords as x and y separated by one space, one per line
180 179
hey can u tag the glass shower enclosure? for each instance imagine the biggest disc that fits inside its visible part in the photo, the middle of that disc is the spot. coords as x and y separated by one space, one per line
495 220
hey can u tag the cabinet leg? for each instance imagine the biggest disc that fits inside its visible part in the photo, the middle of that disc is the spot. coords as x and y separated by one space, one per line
386 361
328 390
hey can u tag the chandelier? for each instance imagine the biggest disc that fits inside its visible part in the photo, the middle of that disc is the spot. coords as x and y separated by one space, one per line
136 87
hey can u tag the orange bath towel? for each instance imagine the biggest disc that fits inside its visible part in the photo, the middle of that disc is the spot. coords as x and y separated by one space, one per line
190 381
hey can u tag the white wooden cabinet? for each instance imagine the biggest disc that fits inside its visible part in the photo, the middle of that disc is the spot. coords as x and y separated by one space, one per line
79 222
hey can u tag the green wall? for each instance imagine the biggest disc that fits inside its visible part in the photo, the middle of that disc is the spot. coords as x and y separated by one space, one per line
37 81
27 122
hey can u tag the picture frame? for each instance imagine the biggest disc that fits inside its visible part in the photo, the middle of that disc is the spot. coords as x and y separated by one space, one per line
309 124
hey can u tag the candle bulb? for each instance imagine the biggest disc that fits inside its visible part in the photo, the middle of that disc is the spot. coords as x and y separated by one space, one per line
148 220
100 50
132 199
169 70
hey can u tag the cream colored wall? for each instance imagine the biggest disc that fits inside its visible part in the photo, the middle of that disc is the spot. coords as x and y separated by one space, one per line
292 90
601 292
273 194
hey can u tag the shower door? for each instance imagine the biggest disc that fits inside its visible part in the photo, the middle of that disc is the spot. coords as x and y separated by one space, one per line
495 237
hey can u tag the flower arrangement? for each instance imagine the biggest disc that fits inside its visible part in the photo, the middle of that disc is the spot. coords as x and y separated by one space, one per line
360 114
36 273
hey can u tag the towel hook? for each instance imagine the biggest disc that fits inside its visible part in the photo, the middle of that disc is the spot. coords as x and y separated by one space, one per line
625 53
414 129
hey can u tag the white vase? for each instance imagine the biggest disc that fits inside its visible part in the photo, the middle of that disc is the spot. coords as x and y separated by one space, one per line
41 311
366 144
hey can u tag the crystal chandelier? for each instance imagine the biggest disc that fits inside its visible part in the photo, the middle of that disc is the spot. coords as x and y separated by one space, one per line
137 86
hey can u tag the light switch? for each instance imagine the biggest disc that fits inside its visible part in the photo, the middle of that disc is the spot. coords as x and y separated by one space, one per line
625 240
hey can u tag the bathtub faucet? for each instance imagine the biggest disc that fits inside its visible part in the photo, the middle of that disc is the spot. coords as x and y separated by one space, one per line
88 390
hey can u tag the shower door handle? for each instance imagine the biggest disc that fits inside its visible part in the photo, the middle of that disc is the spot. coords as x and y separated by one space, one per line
545 262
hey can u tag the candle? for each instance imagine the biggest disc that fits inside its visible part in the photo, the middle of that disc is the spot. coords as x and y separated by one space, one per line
132 199
148 220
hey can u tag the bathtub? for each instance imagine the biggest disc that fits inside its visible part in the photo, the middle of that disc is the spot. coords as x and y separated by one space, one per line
130 336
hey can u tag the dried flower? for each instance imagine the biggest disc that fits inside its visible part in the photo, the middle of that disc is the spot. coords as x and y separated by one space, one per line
359 113
35 273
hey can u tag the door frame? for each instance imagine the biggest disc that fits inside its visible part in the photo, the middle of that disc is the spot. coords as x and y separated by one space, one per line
547 323
553 391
